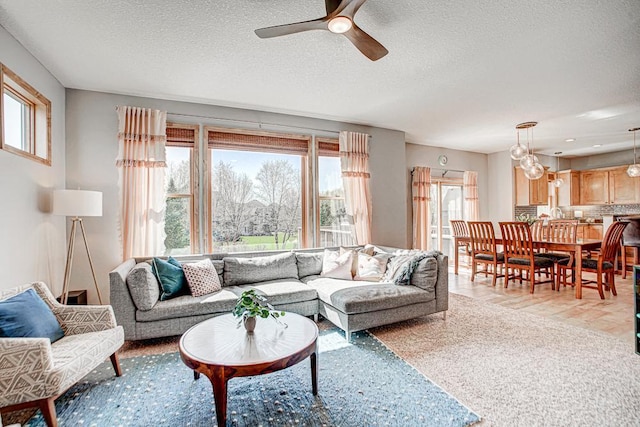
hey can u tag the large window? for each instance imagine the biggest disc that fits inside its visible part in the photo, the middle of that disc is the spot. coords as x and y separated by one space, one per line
252 191
25 115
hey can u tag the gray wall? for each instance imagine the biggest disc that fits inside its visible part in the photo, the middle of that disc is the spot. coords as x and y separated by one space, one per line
32 240
91 127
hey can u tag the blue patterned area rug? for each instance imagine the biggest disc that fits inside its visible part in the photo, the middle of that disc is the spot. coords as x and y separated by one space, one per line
359 384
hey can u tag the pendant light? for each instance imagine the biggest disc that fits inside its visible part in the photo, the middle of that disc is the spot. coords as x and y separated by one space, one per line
530 163
558 181
634 169
518 150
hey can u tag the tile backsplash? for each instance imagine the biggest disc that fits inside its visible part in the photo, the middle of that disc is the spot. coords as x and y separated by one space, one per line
596 212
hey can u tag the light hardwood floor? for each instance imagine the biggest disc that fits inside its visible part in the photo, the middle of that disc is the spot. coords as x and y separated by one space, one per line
613 315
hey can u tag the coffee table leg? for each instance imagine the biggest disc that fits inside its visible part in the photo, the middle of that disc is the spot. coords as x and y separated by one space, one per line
219 384
314 373
196 374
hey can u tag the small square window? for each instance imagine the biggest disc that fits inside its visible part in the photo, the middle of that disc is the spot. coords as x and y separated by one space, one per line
26 119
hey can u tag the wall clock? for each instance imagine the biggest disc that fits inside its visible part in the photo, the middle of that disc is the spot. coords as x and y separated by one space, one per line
442 160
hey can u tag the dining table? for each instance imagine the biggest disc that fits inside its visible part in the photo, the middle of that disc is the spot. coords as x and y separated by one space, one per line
577 247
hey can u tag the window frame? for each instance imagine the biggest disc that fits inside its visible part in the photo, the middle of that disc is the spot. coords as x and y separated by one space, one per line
194 181
39 132
304 173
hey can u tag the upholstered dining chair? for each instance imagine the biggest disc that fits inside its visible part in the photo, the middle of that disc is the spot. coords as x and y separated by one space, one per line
35 371
520 256
484 249
603 264
459 229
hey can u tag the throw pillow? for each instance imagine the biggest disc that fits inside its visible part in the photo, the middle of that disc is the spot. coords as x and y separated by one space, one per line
26 315
337 266
202 277
354 263
401 266
371 267
171 277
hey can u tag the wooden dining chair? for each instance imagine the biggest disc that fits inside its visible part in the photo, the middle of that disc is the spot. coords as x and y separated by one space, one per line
459 229
520 256
560 230
484 249
603 264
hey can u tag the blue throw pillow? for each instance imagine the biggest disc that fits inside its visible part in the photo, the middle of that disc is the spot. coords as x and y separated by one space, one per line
171 277
27 316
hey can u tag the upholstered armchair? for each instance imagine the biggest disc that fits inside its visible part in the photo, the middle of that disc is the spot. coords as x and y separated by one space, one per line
35 372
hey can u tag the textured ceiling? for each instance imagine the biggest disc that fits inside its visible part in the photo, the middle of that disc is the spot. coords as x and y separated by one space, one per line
459 74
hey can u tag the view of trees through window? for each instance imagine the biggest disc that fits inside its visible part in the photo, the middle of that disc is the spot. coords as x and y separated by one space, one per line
252 194
256 200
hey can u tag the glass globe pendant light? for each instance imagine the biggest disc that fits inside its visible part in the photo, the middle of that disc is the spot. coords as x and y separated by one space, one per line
558 181
529 162
534 172
634 169
518 151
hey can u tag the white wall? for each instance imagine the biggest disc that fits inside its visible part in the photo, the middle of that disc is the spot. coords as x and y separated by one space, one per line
32 241
421 155
91 128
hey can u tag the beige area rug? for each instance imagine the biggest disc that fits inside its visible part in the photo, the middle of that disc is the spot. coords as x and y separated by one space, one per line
520 369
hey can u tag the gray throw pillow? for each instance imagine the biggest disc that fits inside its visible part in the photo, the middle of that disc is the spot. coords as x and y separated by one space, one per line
309 264
425 274
240 271
143 286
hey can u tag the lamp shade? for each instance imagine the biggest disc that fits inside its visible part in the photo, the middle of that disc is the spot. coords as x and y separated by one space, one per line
77 203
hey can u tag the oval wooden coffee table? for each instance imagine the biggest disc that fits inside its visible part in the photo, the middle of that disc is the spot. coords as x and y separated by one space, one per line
221 351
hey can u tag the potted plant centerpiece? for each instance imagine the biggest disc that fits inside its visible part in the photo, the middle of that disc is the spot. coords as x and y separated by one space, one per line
251 305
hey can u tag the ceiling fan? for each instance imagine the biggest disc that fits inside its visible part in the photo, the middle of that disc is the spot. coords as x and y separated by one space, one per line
339 20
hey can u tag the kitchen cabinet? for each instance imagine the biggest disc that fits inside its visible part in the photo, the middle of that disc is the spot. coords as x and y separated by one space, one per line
594 186
569 191
623 189
531 192
589 231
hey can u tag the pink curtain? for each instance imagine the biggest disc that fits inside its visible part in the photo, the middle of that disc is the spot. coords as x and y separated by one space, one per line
354 162
470 194
421 194
141 169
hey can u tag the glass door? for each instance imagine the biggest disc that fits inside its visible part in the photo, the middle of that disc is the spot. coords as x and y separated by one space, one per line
446 204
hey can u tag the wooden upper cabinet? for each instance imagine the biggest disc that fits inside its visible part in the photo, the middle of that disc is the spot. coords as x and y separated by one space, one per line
594 186
531 192
623 189
569 191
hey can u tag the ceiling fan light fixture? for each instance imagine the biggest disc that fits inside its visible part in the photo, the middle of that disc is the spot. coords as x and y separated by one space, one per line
340 24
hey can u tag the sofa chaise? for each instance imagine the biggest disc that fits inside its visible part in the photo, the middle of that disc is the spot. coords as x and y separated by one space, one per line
290 280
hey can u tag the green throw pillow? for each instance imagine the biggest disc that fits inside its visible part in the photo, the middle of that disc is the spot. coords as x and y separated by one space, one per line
171 277
26 315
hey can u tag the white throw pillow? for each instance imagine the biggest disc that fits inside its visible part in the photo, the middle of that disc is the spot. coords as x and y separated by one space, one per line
337 266
371 268
202 277
354 263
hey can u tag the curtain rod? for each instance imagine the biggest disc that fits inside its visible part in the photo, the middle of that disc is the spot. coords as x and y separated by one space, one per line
441 169
260 124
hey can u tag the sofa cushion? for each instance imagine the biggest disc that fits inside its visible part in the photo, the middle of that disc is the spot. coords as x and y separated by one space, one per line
309 264
26 315
202 277
352 297
241 271
277 292
402 265
371 267
425 274
337 264
188 306
143 286
170 276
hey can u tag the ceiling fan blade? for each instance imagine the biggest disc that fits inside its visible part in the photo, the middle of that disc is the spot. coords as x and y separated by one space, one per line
366 44
332 5
298 27
350 7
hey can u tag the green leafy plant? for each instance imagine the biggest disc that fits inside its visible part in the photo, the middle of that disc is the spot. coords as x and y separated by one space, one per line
250 304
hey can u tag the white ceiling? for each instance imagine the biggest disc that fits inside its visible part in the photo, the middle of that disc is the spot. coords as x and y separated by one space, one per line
459 74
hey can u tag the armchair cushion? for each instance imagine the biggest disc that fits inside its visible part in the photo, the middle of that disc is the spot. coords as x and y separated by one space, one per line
25 315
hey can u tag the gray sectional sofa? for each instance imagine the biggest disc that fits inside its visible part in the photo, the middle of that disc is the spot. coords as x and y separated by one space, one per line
290 280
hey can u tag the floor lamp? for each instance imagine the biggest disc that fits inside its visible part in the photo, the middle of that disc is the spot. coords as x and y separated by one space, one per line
76 204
